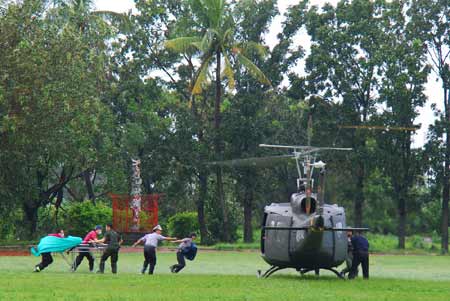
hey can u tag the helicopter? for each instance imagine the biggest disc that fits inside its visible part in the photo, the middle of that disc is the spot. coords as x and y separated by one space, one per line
305 234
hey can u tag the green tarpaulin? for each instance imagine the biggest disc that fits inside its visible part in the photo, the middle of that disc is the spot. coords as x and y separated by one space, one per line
55 244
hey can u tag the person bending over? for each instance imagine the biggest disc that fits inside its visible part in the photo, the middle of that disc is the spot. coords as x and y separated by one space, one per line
47 258
90 238
183 249
360 256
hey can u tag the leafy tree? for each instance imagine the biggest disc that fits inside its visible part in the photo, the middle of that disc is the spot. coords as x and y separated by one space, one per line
176 164
402 86
343 63
431 23
51 116
216 41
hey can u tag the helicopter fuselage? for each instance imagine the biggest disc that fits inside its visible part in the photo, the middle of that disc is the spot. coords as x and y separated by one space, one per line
309 248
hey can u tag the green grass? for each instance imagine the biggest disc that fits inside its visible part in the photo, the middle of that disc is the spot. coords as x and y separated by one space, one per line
224 276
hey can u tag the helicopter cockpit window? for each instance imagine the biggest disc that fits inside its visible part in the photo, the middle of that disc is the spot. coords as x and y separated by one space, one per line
312 206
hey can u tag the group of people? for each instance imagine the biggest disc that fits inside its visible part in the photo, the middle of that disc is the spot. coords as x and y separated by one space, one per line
151 241
358 254
113 240
358 251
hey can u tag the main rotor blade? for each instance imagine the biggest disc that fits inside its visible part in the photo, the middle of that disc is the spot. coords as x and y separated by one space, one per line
305 147
253 162
347 229
287 228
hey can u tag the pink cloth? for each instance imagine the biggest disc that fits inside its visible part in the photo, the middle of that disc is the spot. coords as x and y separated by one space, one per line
56 234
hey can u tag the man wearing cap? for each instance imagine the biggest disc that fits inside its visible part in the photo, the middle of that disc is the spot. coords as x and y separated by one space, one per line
114 240
151 241
90 238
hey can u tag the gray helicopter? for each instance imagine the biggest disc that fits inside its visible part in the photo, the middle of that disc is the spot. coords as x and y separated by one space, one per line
305 234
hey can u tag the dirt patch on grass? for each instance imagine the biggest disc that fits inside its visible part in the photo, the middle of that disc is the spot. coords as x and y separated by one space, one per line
14 253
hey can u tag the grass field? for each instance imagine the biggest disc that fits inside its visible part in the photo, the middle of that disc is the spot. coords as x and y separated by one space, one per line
224 276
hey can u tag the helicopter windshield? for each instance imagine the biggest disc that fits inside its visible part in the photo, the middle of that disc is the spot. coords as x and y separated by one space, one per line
301 205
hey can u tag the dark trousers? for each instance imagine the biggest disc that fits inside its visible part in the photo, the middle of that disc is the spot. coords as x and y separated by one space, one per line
47 259
181 262
150 258
79 259
348 265
114 254
363 259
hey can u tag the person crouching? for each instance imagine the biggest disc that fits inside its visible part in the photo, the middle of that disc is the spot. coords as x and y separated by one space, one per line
47 258
185 245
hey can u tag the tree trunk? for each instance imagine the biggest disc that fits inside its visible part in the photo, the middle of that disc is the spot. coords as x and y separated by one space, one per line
220 195
89 186
359 199
30 219
203 182
248 204
403 187
445 190
218 149
401 220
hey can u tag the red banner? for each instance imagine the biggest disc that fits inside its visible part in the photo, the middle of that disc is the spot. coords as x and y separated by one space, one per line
123 213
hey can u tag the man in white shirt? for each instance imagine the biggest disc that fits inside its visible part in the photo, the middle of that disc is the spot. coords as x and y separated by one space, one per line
151 241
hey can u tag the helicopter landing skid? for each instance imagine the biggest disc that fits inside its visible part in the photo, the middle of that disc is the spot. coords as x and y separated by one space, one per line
272 270
304 271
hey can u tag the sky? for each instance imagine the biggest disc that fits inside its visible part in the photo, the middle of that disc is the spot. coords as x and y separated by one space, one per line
433 87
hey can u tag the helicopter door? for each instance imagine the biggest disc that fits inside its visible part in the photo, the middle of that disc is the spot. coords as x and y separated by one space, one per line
340 238
276 242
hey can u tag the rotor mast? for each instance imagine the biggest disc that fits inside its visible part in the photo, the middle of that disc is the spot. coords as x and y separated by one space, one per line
308 169
306 152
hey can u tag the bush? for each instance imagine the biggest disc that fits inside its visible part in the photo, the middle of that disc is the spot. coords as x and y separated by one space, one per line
82 217
182 224
9 224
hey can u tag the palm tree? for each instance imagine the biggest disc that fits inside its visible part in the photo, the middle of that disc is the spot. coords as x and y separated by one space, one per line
217 44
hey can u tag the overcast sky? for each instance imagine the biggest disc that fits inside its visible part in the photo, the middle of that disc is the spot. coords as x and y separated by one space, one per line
433 88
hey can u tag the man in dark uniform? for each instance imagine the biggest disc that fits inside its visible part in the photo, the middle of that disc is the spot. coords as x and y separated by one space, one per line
360 256
114 240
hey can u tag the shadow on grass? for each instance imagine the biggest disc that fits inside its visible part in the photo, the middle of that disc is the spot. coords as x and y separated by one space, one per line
306 277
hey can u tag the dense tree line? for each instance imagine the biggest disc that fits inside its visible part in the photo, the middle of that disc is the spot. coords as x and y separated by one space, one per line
183 83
